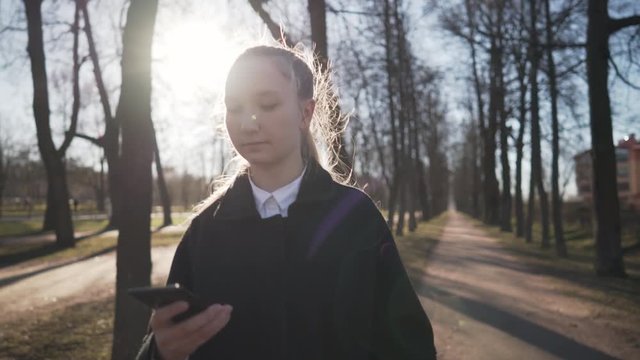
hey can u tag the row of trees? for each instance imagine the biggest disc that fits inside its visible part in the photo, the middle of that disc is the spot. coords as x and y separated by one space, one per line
515 75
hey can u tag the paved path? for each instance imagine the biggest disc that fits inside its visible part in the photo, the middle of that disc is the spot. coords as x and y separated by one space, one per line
487 303
43 289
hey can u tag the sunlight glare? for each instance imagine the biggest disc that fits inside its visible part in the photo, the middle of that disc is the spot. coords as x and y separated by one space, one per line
195 56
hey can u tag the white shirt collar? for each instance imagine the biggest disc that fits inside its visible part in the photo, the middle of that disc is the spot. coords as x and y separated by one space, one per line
278 202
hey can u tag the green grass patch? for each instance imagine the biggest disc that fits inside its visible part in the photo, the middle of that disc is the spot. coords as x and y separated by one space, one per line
414 247
16 228
12 254
81 331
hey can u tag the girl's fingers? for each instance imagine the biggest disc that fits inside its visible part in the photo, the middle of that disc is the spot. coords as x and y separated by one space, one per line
217 319
162 316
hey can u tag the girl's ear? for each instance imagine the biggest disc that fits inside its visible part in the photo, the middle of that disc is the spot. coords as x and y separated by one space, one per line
308 107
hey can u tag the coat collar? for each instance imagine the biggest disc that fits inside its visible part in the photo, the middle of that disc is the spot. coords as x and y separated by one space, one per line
238 202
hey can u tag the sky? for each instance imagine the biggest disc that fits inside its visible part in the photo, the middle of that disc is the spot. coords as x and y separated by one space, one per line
194 44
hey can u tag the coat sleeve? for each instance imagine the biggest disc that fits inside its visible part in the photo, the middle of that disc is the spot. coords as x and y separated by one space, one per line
401 329
180 273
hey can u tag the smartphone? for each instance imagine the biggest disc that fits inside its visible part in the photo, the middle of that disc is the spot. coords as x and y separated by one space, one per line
156 297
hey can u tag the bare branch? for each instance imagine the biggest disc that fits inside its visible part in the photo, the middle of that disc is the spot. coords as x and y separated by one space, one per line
93 140
562 45
276 30
619 24
69 135
620 76
12 28
333 10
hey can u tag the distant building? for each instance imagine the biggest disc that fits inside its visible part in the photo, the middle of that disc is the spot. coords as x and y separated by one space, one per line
627 167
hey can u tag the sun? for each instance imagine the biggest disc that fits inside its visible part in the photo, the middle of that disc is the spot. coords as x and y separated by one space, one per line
193 56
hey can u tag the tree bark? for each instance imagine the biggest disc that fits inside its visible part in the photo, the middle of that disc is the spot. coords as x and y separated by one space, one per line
606 206
561 248
110 142
318 15
500 90
3 177
162 185
536 158
528 230
60 212
133 256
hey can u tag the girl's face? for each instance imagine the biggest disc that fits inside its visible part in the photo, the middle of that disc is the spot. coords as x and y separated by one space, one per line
264 116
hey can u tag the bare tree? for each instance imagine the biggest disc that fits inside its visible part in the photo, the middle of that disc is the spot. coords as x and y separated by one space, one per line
606 206
110 141
133 256
165 199
58 209
561 248
536 157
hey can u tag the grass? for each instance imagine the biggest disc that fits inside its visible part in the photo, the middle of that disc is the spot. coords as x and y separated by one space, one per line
414 247
579 241
81 331
47 252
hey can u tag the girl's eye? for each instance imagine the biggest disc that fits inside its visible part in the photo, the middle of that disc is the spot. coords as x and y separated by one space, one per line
268 107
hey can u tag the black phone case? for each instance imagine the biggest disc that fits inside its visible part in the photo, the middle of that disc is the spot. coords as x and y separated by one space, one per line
156 297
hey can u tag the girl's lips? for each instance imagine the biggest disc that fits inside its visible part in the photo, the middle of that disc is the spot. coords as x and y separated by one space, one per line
255 143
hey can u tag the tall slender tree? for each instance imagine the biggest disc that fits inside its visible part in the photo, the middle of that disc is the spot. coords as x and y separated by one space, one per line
536 157
133 256
561 248
58 193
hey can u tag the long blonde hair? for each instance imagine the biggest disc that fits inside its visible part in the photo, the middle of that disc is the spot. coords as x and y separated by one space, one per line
300 65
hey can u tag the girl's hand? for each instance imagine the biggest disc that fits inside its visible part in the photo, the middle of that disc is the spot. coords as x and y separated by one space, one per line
179 340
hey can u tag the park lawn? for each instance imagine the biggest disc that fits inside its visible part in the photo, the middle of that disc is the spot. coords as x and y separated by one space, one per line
96 243
84 331
414 247
80 331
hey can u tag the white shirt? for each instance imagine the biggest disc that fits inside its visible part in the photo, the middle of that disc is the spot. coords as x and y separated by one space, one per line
277 202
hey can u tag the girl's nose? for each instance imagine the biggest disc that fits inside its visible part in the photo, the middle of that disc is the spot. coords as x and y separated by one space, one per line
249 123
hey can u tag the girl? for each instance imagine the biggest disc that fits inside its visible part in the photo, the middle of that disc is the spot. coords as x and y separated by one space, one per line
307 265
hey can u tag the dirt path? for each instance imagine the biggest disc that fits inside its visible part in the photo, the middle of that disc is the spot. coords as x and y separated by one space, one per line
485 302
44 289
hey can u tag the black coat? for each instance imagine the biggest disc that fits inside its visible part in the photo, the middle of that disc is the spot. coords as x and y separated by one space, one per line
326 282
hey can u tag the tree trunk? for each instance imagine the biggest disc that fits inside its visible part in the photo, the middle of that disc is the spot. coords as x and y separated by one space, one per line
505 203
561 248
412 187
492 202
3 178
162 185
393 199
519 153
318 14
110 142
536 158
528 231
606 205
423 191
402 197
60 213
100 193
133 256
